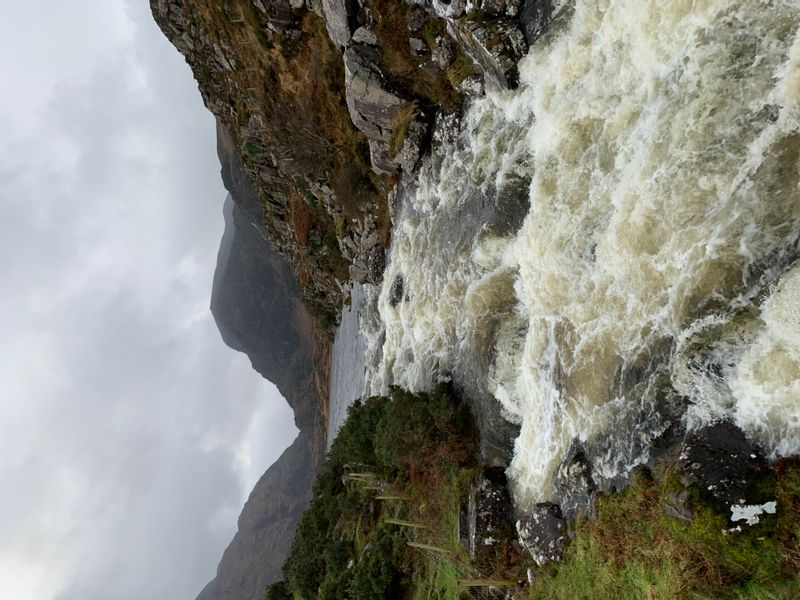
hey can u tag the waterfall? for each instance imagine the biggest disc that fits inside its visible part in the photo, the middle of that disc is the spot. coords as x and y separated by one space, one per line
611 248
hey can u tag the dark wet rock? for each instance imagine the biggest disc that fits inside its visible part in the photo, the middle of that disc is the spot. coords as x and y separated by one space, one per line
574 484
396 291
417 20
726 467
543 532
376 262
418 47
534 18
489 513
443 52
676 506
508 8
472 85
496 46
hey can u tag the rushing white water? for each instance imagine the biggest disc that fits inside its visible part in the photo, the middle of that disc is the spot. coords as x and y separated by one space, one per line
655 147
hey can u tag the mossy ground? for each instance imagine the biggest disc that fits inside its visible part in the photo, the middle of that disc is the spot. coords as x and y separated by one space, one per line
632 549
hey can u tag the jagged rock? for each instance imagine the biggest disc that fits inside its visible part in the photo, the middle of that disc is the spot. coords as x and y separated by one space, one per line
376 262
396 291
372 106
449 8
363 35
726 467
339 18
379 157
443 53
496 46
534 18
413 144
472 85
418 47
574 484
508 8
543 533
489 513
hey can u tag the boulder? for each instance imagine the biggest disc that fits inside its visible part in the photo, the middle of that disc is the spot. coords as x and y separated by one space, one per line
443 53
728 469
418 47
413 145
574 484
339 18
489 513
496 46
396 291
543 532
534 18
371 104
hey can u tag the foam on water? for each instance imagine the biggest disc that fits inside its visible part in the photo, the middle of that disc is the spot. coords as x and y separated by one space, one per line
658 145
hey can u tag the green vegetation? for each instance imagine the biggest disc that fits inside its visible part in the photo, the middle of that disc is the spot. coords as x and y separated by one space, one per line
383 523
383 520
632 549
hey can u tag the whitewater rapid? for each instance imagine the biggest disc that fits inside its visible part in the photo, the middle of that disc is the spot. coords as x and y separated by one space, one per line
611 248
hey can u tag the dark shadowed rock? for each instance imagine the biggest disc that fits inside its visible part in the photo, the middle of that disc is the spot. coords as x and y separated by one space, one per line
574 484
534 18
396 291
489 513
726 467
543 532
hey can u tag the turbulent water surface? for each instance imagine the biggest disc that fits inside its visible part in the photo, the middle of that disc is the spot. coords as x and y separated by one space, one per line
611 248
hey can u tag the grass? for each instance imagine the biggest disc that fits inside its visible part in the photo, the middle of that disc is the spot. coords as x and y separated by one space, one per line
633 550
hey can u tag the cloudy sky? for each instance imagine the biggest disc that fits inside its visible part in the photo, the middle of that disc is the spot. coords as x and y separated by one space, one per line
129 434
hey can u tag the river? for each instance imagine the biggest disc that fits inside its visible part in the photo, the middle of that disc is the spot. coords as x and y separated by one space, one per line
610 250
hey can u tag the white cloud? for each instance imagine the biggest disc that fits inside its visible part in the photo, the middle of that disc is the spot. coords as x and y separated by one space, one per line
113 378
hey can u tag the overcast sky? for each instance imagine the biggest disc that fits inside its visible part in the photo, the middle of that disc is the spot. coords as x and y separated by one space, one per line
129 434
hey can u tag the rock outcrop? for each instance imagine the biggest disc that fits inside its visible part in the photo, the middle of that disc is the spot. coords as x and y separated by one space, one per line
726 468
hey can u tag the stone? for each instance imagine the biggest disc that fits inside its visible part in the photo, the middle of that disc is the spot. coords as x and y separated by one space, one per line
489 512
396 291
418 47
496 46
379 157
449 8
534 18
726 467
497 8
372 106
362 35
443 52
417 19
413 144
574 484
543 533
472 85
338 17
376 262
